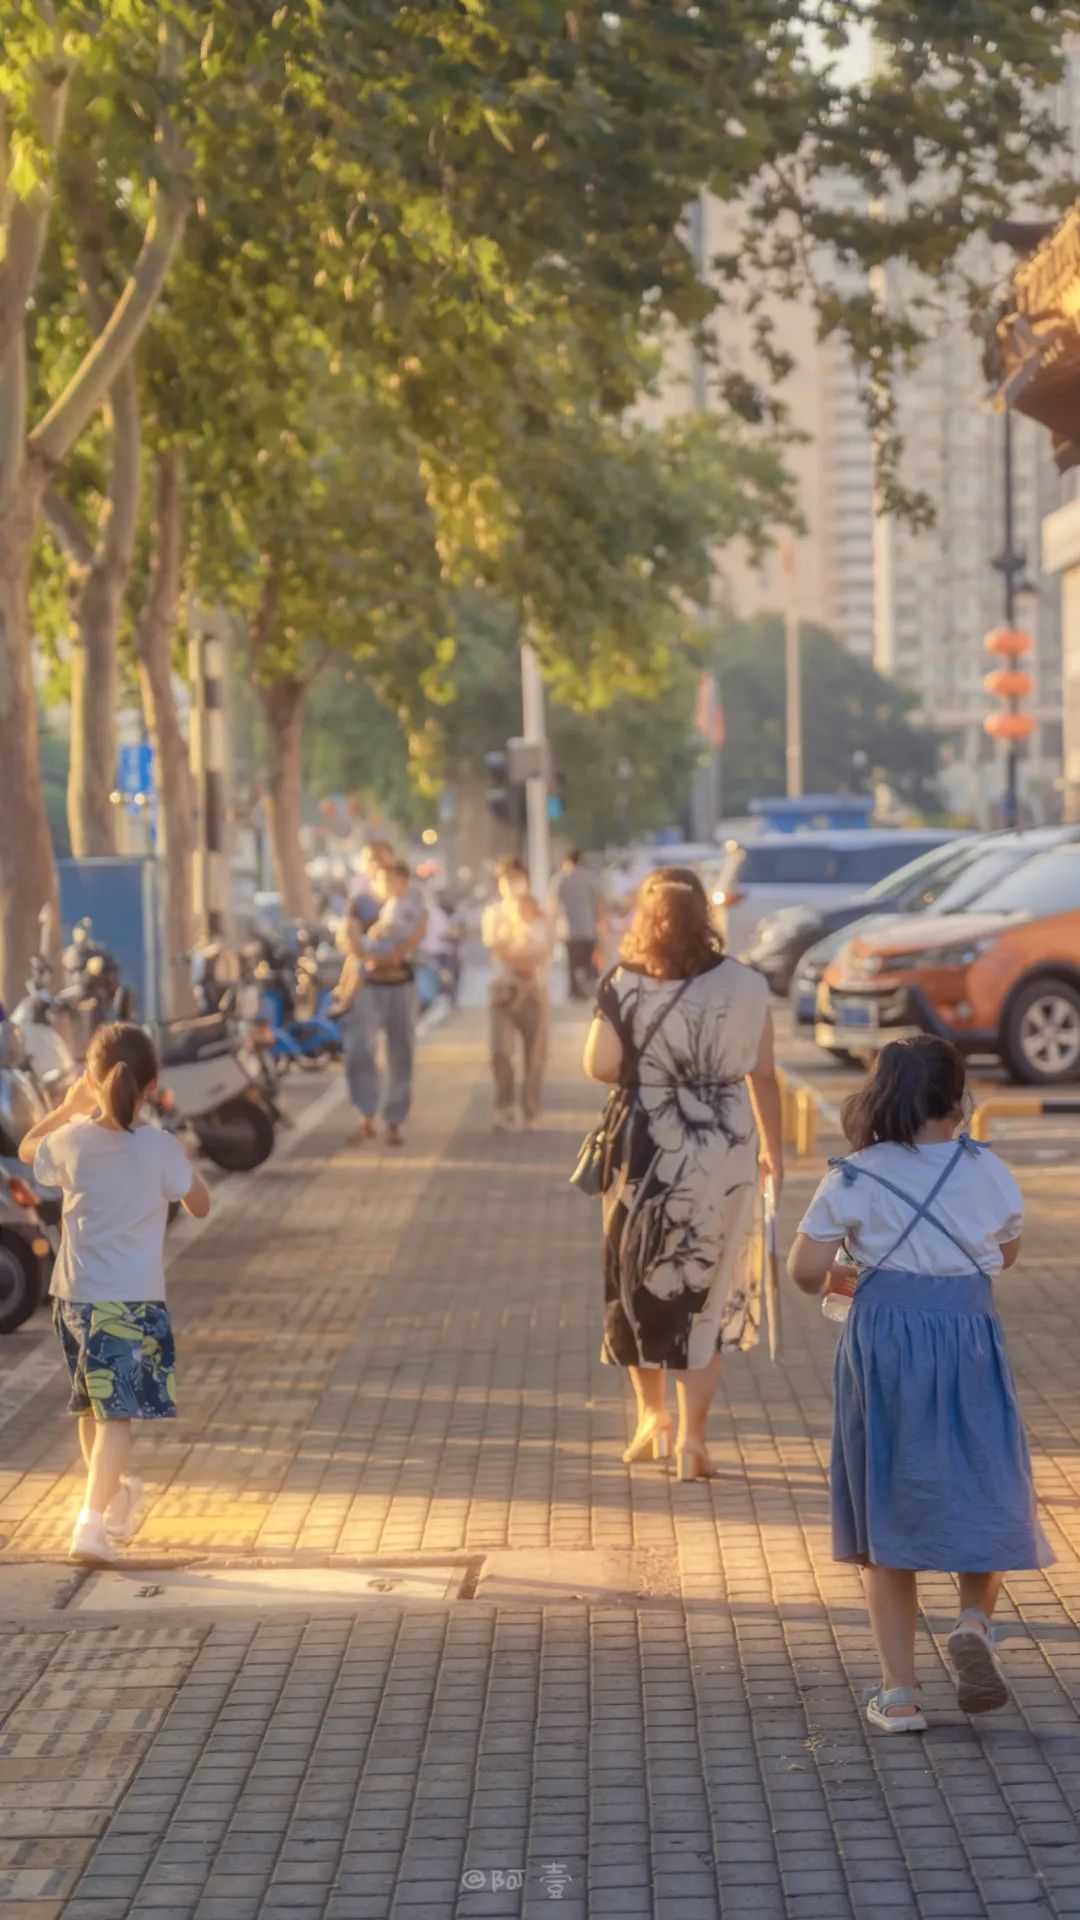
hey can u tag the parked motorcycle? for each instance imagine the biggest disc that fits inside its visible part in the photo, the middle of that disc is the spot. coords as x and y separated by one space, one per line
29 1238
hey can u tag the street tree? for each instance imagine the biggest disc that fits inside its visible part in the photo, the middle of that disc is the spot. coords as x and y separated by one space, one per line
46 70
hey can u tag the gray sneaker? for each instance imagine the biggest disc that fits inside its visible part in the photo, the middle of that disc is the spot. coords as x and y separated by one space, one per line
981 1686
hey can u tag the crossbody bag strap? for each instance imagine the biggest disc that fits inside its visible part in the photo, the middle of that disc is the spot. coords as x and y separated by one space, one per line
628 1079
921 1211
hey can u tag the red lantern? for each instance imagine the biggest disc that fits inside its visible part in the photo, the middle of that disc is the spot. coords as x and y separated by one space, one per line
1008 641
1009 726
1009 683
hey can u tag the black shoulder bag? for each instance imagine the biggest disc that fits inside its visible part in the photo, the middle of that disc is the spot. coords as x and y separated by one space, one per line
595 1166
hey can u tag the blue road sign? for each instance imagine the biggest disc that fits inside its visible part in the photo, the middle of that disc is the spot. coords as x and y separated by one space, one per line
135 770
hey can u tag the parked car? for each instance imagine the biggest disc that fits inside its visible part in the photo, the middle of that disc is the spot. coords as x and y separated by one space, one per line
1002 978
783 937
948 880
816 869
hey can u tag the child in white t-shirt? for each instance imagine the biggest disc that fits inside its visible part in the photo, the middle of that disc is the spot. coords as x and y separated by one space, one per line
108 1286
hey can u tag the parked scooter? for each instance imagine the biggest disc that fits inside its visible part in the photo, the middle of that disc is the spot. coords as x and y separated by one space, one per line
206 1087
29 1239
47 1025
23 1101
296 1039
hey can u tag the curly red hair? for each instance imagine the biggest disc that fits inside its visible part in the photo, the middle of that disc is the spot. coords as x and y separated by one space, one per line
672 936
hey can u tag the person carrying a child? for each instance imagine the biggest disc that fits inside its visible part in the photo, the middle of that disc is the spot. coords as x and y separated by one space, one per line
376 994
108 1285
930 1465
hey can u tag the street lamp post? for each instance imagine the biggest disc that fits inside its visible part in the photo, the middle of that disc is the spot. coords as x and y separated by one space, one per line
1011 563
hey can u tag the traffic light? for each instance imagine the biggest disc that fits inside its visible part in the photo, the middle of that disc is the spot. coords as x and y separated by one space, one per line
505 796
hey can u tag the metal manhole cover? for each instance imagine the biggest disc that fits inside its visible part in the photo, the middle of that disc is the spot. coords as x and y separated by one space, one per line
118 1590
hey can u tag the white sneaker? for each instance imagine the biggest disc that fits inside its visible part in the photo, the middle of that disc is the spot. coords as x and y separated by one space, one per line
90 1544
124 1514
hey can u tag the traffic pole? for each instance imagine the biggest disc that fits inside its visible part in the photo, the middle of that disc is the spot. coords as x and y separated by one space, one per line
792 678
537 817
209 771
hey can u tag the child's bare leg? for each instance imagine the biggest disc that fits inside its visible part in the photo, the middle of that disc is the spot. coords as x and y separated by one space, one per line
87 1423
892 1598
109 1457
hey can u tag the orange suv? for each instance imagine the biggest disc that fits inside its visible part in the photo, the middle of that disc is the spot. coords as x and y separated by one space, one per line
1002 978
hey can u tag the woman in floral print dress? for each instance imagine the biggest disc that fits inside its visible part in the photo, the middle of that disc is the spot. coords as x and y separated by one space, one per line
688 1032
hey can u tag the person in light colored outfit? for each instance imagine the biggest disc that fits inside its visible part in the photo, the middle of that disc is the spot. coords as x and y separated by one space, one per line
517 934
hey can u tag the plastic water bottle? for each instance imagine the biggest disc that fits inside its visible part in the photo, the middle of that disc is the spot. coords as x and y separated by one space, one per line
836 1304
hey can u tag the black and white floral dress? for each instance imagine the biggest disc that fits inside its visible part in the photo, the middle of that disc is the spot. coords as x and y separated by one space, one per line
679 1215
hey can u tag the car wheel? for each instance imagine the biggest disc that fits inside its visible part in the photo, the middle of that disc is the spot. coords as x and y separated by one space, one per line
1040 1043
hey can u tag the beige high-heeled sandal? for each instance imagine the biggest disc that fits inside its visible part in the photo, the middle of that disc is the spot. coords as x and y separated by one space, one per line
693 1463
652 1441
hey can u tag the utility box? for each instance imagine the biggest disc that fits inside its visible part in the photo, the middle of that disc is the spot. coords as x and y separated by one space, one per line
121 897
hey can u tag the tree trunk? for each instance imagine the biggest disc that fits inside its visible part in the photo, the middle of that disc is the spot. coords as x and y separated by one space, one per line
154 640
100 570
283 702
27 872
94 685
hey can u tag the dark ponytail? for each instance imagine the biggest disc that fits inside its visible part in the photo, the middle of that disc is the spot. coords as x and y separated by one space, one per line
121 1060
913 1082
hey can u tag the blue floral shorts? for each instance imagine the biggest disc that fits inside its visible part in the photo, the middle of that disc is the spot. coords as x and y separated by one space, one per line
121 1356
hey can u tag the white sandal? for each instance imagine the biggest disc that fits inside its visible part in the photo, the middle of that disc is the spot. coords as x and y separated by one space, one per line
981 1686
879 1715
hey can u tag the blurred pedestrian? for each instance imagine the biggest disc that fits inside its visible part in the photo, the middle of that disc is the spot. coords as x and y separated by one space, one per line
578 902
517 934
930 1465
377 995
118 1180
620 894
687 1033
365 905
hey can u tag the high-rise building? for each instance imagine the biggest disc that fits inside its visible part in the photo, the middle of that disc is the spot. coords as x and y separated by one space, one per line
937 590
826 573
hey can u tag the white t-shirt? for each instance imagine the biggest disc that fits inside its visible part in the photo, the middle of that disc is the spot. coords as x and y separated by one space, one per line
117 1191
529 941
980 1202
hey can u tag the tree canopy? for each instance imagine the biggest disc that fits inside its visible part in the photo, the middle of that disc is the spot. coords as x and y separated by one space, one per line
354 262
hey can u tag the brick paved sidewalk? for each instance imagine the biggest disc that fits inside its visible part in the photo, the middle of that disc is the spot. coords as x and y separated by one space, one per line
396 1355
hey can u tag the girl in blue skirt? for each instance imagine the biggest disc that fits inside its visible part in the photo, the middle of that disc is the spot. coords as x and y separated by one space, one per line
930 1465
